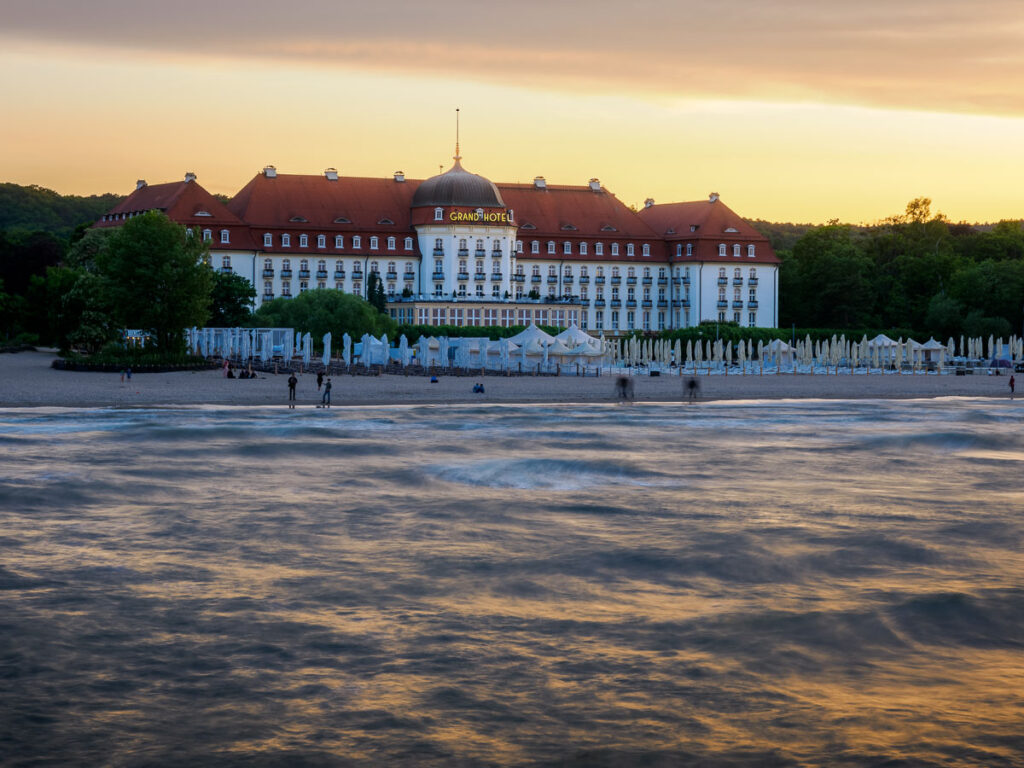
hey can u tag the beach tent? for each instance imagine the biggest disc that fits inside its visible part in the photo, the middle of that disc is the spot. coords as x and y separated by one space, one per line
532 333
573 336
933 351
780 351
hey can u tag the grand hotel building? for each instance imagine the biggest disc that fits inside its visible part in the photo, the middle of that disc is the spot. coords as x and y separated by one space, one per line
457 249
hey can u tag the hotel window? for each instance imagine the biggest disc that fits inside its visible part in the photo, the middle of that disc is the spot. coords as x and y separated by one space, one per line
408 267
679 249
615 249
753 273
374 267
339 266
357 241
339 286
374 243
736 249
661 273
750 251
600 271
752 319
268 240
408 243
286 241
207 235
689 249
225 236
286 287
647 271
551 271
721 271
286 265
566 247
479 245
321 241
438 214
391 243
535 247
721 294
339 241
304 265
629 249
519 246
646 249
599 249
479 266
268 264
438 266
615 271
737 275
736 294
599 320
536 271
321 266
583 271
462 266
303 286
630 272
753 294
583 249
225 263
551 246
303 241
462 244
568 272
721 249
268 288
496 291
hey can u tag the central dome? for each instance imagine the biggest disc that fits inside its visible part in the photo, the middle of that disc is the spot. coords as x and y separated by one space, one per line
458 187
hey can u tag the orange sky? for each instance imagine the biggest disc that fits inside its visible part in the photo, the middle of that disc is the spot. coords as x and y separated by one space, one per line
795 110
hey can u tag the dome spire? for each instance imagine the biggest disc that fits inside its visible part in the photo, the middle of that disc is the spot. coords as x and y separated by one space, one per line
457 157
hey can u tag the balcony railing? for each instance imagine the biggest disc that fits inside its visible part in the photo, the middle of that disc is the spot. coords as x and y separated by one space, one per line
519 278
598 302
598 280
438 253
737 281
584 280
357 275
391 276
752 304
463 276
286 273
321 274
303 273
566 278
534 278
479 276
751 281
495 276
552 278
339 274
463 253
226 270
268 273
630 281
662 302
723 281
646 303
616 280
631 303
647 280
737 305
409 276
616 303
268 297
723 304
479 253
662 281
439 275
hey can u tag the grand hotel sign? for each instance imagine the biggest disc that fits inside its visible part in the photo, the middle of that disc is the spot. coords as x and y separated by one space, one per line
481 216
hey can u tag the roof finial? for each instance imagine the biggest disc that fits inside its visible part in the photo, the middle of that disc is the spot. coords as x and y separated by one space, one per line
457 155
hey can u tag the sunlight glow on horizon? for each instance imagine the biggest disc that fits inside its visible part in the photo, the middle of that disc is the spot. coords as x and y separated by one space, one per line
92 122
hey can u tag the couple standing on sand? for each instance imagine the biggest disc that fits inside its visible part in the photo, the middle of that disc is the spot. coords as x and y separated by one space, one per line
325 400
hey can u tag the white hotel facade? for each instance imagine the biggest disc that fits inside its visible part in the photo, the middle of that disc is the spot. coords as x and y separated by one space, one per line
457 249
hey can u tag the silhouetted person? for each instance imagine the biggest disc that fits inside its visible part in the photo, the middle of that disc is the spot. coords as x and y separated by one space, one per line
692 388
325 401
292 381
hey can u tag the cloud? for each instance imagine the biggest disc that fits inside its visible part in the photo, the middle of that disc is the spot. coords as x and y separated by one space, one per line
941 55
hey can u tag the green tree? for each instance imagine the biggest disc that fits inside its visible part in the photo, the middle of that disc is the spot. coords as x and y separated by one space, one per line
231 298
317 312
156 278
826 280
375 293
944 317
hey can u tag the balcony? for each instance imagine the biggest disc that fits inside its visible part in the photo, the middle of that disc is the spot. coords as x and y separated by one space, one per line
685 303
630 281
391 276
631 303
268 297
438 253
752 304
439 275
737 281
339 274
584 280
566 278
518 278
409 276
463 253
286 273
616 280
479 253
662 281
662 303
303 274
226 270
321 274
737 305
552 279
286 294
479 276
463 276
647 280
268 273
534 278
496 276
616 303
599 303
723 304
357 275
598 280
723 281
751 281
646 303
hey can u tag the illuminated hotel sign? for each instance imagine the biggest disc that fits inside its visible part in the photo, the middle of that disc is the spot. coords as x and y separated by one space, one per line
481 217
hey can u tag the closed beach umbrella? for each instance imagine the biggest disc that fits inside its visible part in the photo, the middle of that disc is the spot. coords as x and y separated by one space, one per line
327 348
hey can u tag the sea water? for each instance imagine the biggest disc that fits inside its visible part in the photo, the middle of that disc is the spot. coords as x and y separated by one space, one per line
754 583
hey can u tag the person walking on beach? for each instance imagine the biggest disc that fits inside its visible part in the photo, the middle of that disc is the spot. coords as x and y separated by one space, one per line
292 381
325 401
691 388
319 380
1011 386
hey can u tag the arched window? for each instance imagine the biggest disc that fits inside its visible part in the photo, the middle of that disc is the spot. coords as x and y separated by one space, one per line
600 271
679 249
339 241
721 271
583 249
462 244
583 271
753 273
567 272
750 251
721 249
225 262
408 243
737 274
391 243
321 265
207 235
438 214
551 246
567 247
286 264
391 268
303 241
304 265
479 245
535 247
225 236
357 242
321 241
374 243
629 249
374 267
551 271
646 249
599 249
630 272
689 249
339 266
286 241
268 264
615 249
615 271
268 240
736 249
647 271
536 270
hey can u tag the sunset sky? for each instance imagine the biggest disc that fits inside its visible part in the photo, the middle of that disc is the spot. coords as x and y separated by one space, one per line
795 110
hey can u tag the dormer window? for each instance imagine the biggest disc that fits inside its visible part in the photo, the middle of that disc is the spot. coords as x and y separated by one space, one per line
519 246
357 241
408 243
551 246
679 249
731 230
298 219
689 249
374 243
629 249
386 221
268 240
303 241
528 225
200 213
583 249
321 241
646 249
286 241
566 247
721 249
568 228
736 250
599 249
207 235
615 249
339 241
342 220
391 243
750 251
608 228
534 247
225 236
693 227
439 214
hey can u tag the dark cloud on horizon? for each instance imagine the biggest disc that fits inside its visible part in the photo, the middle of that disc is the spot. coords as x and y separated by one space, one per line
940 55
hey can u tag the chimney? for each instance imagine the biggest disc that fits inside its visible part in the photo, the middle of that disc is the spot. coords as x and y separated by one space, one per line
713 197
188 177
399 175
140 183
595 185
648 202
540 183
270 172
331 174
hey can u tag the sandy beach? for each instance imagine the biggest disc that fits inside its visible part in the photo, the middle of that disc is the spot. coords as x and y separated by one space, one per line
27 380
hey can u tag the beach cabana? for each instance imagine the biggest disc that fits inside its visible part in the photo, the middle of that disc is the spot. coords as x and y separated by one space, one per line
933 351
573 336
530 334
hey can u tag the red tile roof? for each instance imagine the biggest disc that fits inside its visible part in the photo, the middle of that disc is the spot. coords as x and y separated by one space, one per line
590 213
707 224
